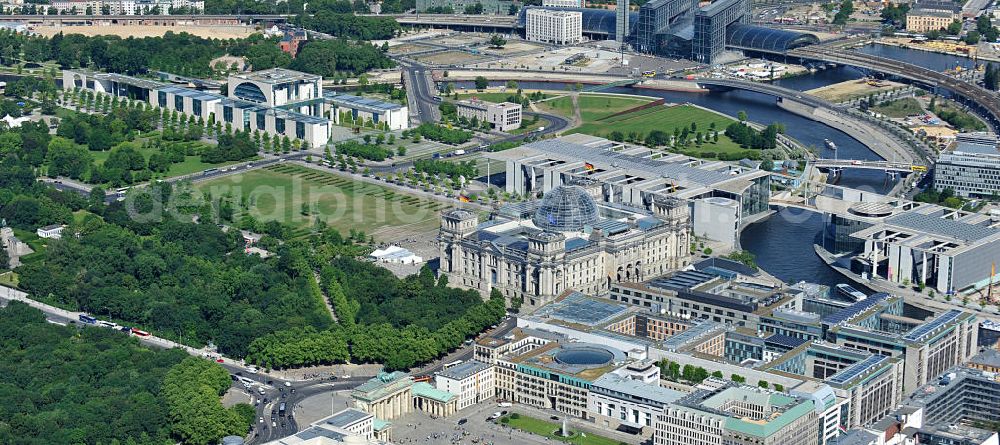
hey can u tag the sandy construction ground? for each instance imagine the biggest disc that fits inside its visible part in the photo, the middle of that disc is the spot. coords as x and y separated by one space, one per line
852 89
212 32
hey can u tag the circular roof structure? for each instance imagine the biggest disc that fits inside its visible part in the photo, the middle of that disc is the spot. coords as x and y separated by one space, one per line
584 355
872 209
567 208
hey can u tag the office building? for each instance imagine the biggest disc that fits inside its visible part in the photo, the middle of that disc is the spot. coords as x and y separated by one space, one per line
503 116
628 399
949 250
956 409
536 250
350 426
348 109
710 25
928 347
922 20
657 18
621 22
704 295
633 175
869 384
472 381
738 415
972 169
491 7
563 3
278 102
554 26
127 7
988 360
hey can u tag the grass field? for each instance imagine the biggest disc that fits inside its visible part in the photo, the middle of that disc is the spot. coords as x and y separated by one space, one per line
495 97
278 192
592 106
900 108
666 119
546 429
9 279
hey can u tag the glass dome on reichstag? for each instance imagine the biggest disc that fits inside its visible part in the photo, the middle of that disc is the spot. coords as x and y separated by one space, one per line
567 208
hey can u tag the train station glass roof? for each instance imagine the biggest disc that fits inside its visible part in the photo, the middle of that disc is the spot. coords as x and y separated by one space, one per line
767 39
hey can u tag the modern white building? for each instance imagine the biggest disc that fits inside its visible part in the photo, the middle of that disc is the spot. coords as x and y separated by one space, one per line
473 381
972 169
630 396
53 231
350 427
278 102
126 7
563 3
553 26
738 415
504 116
349 109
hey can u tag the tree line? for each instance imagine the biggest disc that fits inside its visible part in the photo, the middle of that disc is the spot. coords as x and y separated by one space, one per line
453 170
189 55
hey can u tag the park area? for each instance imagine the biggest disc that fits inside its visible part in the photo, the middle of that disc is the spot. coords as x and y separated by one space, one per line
548 430
140 31
191 163
298 195
601 115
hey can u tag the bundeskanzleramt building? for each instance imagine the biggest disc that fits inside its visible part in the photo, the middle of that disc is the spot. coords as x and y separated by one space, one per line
554 26
277 101
503 116
972 169
738 415
538 249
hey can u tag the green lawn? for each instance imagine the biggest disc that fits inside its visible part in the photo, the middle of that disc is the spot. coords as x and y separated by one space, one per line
666 119
278 193
191 164
592 106
546 429
9 279
900 108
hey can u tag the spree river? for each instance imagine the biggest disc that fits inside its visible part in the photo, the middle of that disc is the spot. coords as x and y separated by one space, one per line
783 243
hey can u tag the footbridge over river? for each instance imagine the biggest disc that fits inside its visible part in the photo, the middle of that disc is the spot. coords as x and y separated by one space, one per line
903 167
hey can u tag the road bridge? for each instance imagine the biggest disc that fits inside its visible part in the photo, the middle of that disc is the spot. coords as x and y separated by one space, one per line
978 98
767 88
904 167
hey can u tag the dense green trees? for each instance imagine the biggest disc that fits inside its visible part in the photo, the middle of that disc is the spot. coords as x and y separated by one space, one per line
192 389
89 386
350 26
747 137
895 15
184 281
441 133
189 55
371 152
843 13
382 319
331 57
